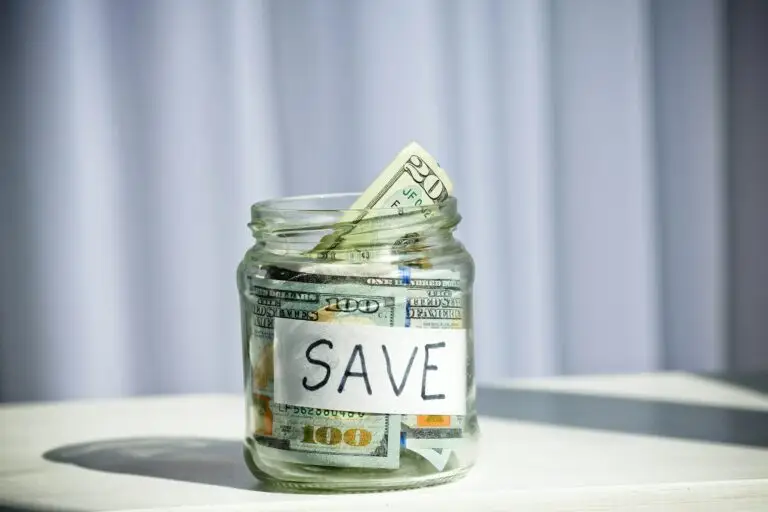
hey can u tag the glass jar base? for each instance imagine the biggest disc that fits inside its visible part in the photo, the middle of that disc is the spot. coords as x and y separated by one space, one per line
369 485
363 483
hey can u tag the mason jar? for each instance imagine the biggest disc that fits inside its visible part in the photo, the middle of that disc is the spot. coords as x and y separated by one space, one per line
358 345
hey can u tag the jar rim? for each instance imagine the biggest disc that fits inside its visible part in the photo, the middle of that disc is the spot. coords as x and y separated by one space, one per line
282 204
292 222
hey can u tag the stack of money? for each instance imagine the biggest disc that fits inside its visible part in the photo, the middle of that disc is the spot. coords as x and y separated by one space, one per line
411 294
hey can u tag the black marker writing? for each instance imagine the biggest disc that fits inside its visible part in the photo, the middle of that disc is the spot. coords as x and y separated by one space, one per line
312 360
358 350
427 367
398 389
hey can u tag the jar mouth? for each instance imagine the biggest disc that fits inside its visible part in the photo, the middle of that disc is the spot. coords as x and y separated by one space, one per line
337 203
326 222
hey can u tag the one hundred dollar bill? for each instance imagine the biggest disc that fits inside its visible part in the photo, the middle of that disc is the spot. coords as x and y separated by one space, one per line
307 435
413 178
268 299
380 278
431 431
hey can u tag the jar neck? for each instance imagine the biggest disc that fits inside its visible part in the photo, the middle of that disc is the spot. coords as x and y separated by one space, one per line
394 234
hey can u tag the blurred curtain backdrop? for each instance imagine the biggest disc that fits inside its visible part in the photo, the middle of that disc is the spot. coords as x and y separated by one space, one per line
585 139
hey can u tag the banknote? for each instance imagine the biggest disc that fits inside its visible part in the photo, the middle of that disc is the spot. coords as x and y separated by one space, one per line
317 436
388 276
272 299
412 178
331 438
431 431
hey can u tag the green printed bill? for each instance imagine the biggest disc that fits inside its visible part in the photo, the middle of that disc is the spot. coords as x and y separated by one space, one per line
406 297
412 179
305 435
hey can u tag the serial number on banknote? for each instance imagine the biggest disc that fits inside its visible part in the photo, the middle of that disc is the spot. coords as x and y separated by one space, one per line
312 411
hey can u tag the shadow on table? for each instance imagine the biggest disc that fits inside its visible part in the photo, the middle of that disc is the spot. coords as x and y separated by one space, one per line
16 508
188 459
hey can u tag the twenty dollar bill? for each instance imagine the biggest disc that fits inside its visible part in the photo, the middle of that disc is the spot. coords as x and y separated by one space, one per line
413 178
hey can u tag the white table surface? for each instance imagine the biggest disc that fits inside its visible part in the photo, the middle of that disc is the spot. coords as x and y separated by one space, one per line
183 453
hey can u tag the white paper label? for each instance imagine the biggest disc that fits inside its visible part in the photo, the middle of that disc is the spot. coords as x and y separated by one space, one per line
366 368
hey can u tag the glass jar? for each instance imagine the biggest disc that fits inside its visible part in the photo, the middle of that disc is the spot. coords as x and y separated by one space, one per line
358 358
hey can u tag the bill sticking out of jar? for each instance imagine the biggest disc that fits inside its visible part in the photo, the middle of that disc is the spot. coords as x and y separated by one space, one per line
412 180
359 348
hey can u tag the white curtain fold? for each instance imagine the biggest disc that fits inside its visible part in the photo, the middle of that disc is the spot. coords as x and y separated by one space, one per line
605 197
584 138
689 73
